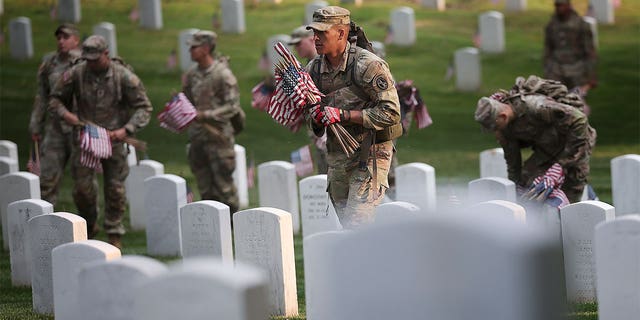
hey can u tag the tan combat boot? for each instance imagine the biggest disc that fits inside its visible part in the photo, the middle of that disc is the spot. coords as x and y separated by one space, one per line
115 240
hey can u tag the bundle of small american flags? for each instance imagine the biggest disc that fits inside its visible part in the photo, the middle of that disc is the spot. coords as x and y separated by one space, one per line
294 89
177 114
546 188
94 145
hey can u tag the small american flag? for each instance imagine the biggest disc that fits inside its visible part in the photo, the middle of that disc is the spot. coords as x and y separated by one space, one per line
134 14
95 145
301 159
260 96
33 165
189 194
172 60
411 101
177 114
251 174
294 87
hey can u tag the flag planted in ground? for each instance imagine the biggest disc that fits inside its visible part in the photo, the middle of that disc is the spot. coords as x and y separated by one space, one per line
260 96
302 161
177 114
33 165
94 145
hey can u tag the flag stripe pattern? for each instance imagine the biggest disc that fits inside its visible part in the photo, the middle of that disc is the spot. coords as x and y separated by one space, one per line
260 96
177 114
554 178
33 165
294 89
94 145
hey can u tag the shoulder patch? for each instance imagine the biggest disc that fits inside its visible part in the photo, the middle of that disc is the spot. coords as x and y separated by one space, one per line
381 82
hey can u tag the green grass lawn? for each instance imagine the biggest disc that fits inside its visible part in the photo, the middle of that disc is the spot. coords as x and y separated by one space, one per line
451 144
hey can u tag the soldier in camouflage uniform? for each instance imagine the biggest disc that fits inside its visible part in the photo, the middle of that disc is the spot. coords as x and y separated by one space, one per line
213 89
55 149
569 52
109 95
360 95
556 132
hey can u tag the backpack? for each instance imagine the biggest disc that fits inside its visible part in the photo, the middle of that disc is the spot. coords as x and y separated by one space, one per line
550 88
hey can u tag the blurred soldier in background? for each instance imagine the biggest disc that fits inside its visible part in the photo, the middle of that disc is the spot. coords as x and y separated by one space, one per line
569 53
106 92
56 135
360 95
213 90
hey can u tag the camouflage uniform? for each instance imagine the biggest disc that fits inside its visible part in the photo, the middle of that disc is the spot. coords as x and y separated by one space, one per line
214 91
106 99
55 149
365 84
557 133
569 53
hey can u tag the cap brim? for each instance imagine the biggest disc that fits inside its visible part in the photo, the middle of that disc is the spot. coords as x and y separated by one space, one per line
91 56
294 41
320 26
193 43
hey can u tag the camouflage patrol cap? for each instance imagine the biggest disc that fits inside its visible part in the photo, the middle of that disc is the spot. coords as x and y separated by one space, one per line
300 33
68 29
486 112
203 37
325 18
93 47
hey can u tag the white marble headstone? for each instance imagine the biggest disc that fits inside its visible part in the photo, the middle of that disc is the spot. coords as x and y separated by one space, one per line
311 7
233 16
205 230
273 56
439 5
593 25
9 149
617 261
108 31
136 190
316 210
46 232
491 28
20 38
491 188
107 288
203 288
625 184
316 287
8 165
492 164
165 195
578 228
416 183
16 186
132 157
185 55
403 271
18 214
263 237
69 11
278 188
516 5
604 11
500 207
240 175
150 14
466 62
66 261
395 211
403 26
